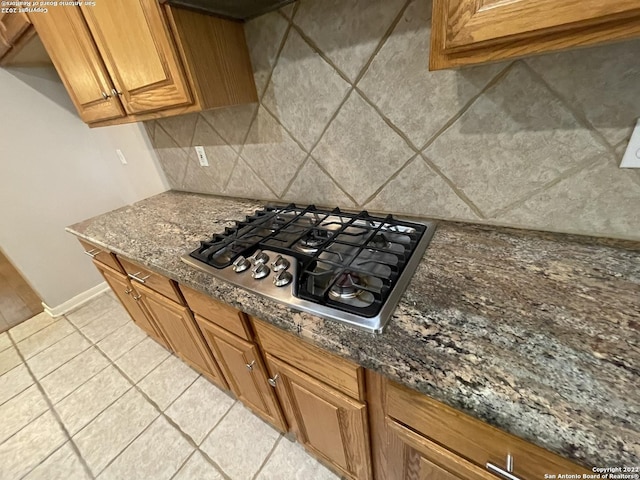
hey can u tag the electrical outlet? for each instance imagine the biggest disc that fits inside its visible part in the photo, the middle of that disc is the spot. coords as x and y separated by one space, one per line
631 157
123 160
202 156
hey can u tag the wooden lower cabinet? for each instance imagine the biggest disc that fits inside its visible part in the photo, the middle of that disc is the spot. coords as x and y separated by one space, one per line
130 299
242 365
327 422
178 327
417 458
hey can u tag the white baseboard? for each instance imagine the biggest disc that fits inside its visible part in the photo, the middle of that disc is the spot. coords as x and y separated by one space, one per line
76 301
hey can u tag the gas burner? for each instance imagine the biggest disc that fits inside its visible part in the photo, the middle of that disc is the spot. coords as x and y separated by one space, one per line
380 241
312 241
351 267
348 285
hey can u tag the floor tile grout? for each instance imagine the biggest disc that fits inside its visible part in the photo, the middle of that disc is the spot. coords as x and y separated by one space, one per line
55 414
268 457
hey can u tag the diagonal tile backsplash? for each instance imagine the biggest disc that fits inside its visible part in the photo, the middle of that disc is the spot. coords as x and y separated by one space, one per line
350 115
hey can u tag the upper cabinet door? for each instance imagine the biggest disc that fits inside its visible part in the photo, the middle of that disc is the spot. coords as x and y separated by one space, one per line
139 53
472 31
68 42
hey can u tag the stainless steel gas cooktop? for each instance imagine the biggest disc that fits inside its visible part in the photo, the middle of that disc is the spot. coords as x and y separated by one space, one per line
349 267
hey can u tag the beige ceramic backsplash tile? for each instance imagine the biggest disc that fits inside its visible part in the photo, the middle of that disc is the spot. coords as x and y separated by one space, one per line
534 143
347 31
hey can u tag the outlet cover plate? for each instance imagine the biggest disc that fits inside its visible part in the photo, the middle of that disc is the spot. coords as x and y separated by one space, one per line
631 157
202 156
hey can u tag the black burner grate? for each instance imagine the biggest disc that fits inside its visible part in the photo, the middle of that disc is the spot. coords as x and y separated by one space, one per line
347 261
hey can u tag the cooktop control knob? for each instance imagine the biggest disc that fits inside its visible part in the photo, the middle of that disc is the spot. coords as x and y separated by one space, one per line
241 264
280 263
282 278
260 271
260 257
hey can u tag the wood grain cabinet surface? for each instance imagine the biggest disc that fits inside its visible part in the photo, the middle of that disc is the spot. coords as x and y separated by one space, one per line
245 371
414 436
130 300
178 326
15 30
133 60
322 396
465 32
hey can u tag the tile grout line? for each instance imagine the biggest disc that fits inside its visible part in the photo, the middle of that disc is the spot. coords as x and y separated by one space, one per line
193 135
393 176
151 402
268 457
259 103
543 188
57 418
577 114
352 87
461 195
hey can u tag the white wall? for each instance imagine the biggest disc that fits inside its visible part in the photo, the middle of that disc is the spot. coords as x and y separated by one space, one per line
55 171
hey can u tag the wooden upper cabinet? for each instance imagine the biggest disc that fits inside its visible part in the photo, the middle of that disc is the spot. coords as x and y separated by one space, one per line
138 50
67 40
15 31
475 31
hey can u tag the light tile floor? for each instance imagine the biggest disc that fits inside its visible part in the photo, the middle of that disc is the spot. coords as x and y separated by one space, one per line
89 395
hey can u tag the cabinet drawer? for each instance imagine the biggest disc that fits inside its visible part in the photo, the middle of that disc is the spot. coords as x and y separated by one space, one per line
335 371
13 25
101 255
470 438
141 275
216 312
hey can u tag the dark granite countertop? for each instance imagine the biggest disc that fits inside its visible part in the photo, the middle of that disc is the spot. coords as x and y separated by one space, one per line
535 333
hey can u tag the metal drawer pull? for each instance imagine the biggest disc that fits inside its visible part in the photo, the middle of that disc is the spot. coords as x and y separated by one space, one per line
272 381
137 297
92 253
127 291
508 473
134 276
250 365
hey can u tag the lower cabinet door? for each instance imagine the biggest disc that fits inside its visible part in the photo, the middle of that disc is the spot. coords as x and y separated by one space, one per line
417 458
242 365
179 328
130 299
327 422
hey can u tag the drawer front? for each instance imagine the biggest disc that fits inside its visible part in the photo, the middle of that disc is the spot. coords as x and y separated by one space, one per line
216 312
14 25
101 255
470 438
335 371
140 275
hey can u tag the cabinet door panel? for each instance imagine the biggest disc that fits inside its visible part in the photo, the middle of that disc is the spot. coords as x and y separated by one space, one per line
137 47
417 458
178 327
12 25
327 422
127 295
249 384
68 42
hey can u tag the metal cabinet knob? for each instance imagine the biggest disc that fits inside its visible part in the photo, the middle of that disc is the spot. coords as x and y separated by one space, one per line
250 365
127 291
92 253
272 381
105 95
116 93
137 297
